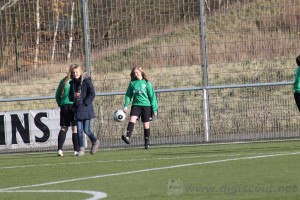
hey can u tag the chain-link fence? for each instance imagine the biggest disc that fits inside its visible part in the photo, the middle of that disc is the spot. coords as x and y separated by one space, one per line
222 68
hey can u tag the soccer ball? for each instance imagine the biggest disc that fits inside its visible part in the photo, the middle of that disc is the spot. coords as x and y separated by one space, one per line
119 115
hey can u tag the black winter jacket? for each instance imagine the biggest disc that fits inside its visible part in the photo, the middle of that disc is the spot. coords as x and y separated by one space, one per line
83 107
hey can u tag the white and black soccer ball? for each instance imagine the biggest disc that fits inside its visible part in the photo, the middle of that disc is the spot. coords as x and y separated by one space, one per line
119 115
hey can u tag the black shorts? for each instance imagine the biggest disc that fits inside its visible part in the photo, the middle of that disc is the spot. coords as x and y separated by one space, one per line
145 112
67 117
297 100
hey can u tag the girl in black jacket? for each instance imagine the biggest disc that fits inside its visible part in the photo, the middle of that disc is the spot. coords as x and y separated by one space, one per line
82 93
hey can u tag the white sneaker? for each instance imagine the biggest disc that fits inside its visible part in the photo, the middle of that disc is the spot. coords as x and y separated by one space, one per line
60 153
75 153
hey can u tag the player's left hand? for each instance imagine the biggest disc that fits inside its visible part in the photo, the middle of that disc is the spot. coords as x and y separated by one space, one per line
154 116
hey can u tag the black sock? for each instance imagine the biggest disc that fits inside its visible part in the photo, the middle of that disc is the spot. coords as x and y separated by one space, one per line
129 129
146 135
61 139
75 141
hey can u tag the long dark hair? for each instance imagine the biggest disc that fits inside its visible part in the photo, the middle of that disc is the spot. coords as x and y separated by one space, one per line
298 60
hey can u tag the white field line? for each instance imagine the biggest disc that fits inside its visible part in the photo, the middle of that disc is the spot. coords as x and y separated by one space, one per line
95 195
130 160
148 170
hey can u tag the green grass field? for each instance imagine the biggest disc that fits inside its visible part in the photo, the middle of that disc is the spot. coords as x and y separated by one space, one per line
264 171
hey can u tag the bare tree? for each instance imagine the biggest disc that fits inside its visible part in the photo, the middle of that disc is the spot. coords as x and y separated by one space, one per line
16 38
38 33
207 5
55 7
9 4
71 31
4 42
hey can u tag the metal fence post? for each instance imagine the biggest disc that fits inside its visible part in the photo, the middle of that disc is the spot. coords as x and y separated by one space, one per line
206 107
86 35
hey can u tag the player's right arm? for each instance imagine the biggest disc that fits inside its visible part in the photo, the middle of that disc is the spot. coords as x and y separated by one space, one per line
128 96
58 92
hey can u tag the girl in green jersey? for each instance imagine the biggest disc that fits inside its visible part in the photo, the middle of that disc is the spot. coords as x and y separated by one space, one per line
144 103
297 83
66 113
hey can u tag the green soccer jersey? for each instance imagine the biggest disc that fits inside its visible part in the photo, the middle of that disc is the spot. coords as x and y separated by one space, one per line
142 94
65 98
297 80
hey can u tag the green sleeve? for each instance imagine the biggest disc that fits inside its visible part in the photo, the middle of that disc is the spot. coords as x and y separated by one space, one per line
152 97
128 96
297 80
